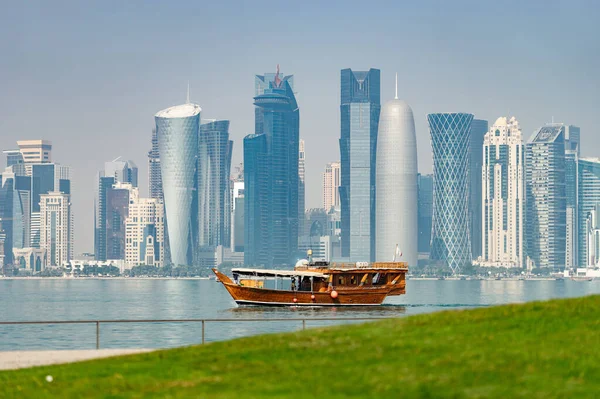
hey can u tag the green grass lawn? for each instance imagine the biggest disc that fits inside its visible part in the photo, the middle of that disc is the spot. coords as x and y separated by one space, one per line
537 350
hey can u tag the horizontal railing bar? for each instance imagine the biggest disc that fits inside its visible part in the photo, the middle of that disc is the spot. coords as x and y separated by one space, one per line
189 320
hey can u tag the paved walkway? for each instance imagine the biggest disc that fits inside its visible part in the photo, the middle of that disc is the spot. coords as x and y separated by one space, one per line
23 359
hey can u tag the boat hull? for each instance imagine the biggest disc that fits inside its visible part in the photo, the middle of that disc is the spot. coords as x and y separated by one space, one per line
267 297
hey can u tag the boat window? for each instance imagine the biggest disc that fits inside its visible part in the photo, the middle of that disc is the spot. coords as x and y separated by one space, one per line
353 280
340 280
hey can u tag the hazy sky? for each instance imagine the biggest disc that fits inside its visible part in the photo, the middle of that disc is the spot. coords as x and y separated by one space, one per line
89 76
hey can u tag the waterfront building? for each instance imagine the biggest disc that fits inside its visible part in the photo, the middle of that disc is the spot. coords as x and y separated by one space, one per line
13 157
545 229
145 228
479 128
154 176
301 188
271 176
214 194
110 208
177 133
396 183
503 195
56 226
592 238
331 186
450 140
571 217
32 259
588 201
45 178
237 217
425 212
359 111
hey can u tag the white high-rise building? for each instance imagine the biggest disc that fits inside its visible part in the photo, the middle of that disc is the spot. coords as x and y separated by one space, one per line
145 232
331 186
503 195
396 184
301 188
56 227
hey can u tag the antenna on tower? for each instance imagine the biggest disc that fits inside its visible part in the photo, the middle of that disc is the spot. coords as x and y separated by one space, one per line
188 93
396 86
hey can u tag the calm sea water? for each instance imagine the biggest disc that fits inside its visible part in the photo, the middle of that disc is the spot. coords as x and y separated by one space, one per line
93 299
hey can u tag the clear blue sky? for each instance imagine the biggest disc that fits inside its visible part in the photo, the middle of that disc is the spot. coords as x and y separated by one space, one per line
90 75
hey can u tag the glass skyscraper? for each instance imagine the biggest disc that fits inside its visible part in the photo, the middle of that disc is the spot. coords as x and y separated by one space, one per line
271 175
359 110
214 194
177 133
479 128
451 140
546 201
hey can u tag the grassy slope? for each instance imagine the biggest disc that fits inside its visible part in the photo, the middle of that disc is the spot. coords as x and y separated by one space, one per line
544 349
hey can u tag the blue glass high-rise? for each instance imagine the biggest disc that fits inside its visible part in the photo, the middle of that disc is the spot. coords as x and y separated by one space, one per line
177 132
359 111
271 176
450 141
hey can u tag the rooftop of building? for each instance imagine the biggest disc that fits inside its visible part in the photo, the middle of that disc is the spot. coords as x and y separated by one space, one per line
547 134
180 111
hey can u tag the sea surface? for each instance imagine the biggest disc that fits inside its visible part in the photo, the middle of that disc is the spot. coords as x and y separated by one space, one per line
110 299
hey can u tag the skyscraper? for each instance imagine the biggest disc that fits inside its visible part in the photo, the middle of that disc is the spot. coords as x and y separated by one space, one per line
359 111
214 195
479 128
425 212
301 189
271 176
503 195
573 220
396 183
546 197
450 140
589 199
145 232
331 186
56 225
177 133
111 207
154 177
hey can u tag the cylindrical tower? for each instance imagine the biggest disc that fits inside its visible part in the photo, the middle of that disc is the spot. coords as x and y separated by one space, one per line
177 132
396 184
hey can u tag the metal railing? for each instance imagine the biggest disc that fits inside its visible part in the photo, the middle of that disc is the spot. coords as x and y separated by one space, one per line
203 321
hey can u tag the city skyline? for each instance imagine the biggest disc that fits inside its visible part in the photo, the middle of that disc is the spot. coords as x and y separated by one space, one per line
48 71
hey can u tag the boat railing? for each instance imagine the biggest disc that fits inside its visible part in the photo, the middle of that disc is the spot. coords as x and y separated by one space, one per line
357 265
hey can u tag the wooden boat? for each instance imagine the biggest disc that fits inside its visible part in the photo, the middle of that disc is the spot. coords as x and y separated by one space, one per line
318 284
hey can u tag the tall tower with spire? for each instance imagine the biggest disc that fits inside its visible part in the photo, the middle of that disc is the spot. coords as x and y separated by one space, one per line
396 183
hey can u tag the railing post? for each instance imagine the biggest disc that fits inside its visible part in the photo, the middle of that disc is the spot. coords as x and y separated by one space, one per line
203 332
97 334
303 324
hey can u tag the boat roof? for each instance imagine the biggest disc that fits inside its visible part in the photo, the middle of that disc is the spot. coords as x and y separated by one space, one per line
282 273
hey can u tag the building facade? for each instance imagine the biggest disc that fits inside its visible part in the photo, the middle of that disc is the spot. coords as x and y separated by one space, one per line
271 176
503 196
588 201
396 184
450 141
359 111
425 212
479 128
145 237
592 238
214 194
331 186
56 225
177 133
301 188
546 198
154 175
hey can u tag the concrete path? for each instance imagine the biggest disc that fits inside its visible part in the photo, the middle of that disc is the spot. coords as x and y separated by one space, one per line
23 359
